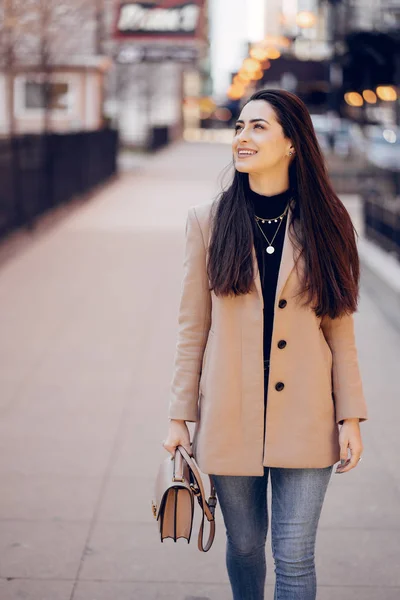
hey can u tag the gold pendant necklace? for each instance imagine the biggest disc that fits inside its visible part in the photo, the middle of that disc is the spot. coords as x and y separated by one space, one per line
270 248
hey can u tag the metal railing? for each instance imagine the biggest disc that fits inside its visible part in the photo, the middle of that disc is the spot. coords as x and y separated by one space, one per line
40 172
380 193
381 206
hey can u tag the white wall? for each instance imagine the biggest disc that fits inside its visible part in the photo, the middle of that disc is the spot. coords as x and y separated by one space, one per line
152 97
232 24
83 110
3 106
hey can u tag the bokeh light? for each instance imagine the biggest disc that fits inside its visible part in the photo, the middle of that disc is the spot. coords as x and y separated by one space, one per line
272 52
369 96
251 65
354 99
387 93
259 53
223 114
306 19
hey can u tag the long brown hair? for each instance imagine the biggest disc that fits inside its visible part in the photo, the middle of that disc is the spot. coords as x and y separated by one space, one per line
326 237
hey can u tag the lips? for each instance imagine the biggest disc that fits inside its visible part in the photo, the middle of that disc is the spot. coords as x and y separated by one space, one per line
243 153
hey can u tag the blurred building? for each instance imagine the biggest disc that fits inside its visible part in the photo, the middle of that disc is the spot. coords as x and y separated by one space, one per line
52 65
369 15
71 95
322 50
296 50
161 53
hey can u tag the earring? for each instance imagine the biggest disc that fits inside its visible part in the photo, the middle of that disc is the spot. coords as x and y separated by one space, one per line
290 153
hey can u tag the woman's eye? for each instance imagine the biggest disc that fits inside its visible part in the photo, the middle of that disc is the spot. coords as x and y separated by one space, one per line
240 127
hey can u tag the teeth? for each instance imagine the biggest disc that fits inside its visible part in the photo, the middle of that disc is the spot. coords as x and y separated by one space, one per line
248 152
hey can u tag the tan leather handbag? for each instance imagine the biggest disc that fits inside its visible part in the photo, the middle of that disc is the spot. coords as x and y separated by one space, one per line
178 483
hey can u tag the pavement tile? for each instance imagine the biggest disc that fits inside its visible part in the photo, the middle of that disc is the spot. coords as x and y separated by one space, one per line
41 550
78 396
133 552
139 452
197 591
359 505
151 591
48 498
357 593
64 426
127 499
31 589
49 455
9 389
358 557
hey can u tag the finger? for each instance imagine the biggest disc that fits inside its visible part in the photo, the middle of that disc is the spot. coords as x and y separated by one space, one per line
352 463
340 467
344 454
169 448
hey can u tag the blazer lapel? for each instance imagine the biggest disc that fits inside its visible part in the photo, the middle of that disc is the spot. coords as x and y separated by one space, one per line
286 265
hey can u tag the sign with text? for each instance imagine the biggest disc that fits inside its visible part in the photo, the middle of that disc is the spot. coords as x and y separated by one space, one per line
168 19
136 54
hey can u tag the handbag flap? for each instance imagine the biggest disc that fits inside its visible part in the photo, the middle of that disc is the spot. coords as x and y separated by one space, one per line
165 480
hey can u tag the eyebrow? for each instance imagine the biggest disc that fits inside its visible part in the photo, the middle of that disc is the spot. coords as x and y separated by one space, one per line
253 121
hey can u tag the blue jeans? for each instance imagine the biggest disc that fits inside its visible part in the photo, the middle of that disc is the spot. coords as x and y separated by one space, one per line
297 498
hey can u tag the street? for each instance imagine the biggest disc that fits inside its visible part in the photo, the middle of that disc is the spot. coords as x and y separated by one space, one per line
88 321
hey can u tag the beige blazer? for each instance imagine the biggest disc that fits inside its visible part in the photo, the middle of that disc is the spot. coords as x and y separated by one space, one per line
218 379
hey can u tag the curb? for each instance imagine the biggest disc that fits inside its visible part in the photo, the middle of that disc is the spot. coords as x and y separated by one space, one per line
380 274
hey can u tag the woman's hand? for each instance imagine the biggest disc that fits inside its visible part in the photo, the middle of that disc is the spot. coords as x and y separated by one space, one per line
349 437
178 435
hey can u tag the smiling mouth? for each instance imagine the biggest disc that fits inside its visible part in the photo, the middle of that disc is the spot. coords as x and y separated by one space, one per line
246 153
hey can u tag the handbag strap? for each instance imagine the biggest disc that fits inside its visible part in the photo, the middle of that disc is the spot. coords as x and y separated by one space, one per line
208 508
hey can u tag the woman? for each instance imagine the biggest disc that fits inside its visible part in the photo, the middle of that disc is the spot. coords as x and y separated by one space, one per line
266 363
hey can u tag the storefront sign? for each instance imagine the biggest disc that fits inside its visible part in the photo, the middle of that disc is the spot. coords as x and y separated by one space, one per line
166 19
136 54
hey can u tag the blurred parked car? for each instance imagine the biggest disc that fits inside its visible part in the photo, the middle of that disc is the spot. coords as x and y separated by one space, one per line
323 130
379 145
383 146
342 140
333 134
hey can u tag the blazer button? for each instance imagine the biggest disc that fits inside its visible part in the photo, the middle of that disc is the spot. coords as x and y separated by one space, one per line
281 344
282 303
279 386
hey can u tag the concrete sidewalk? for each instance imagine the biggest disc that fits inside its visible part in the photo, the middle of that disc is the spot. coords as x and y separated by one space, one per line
88 321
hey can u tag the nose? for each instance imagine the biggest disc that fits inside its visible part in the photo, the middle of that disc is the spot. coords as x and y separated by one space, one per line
243 135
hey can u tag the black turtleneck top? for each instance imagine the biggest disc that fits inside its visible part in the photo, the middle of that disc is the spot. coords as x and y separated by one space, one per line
268 264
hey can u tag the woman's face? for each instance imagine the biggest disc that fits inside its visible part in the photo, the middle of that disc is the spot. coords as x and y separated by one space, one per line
259 143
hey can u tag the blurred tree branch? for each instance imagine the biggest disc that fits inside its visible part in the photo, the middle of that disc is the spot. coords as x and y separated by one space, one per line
48 33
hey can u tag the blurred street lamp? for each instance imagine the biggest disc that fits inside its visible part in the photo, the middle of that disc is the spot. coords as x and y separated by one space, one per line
236 91
259 53
272 53
354 99
257 75
306 19
251 65
387 93
242 77
279 41
369 96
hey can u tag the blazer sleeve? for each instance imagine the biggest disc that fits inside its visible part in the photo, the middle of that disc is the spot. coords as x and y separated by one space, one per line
347 386
194 322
